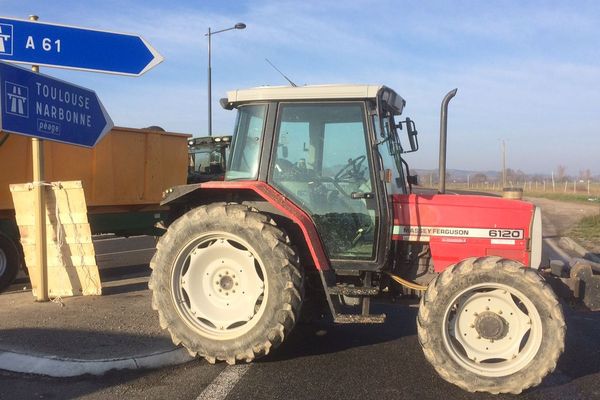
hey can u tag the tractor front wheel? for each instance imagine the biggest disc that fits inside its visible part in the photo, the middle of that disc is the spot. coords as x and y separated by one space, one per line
226 283
491 325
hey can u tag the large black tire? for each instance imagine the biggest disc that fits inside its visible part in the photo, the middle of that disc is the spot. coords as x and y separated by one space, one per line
219 233
10 260
454 305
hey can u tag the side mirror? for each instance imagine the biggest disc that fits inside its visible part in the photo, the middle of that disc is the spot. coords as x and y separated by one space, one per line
284 151
413 180
412 135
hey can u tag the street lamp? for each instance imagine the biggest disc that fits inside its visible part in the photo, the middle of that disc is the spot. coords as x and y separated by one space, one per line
239 25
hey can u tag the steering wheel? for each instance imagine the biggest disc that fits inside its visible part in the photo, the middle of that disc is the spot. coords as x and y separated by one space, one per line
351 171
288 170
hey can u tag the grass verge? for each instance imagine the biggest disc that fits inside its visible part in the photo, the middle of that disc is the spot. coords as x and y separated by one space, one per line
587 232
570 197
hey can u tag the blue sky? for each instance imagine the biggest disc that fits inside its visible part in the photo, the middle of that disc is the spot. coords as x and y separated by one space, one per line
527 72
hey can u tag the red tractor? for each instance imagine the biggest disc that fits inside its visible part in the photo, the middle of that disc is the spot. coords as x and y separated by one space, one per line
317 201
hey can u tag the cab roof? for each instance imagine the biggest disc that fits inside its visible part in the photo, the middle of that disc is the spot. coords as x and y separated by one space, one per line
314 92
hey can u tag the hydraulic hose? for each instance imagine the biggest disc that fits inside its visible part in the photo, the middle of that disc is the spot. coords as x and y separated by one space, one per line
405 283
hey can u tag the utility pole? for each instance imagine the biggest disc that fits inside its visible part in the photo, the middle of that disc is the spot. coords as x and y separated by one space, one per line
503 163
209 87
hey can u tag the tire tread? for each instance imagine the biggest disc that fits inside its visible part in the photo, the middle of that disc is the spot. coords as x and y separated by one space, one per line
487 265
287 267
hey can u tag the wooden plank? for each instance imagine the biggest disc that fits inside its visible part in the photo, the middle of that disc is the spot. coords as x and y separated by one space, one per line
76 281
72 233
71 258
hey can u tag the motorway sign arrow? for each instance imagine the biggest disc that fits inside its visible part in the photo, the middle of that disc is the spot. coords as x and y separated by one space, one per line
63 46
44 107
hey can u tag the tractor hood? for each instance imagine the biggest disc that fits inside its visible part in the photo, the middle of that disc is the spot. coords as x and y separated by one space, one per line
462 226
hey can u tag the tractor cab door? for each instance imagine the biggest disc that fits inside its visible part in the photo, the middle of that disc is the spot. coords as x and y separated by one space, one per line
323 162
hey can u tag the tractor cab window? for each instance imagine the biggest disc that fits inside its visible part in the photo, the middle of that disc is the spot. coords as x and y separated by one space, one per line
246 142
207 161
322 163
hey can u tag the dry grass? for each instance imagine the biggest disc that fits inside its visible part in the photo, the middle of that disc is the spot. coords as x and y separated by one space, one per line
587 232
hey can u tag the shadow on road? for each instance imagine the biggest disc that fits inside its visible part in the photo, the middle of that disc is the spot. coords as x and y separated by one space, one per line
124 288
324 337
393 346
582 347
87 343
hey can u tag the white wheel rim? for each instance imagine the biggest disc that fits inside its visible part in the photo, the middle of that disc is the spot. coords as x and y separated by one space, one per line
219 286
492 329
3 262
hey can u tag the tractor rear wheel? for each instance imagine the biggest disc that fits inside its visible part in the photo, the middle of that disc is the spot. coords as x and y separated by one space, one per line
10 259
491 325
226 283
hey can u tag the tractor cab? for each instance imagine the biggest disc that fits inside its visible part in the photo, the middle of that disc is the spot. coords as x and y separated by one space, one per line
334 151
207 156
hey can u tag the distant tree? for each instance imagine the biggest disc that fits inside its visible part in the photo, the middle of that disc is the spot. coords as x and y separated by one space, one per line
538 177
479 178
585 174
436 177
515 176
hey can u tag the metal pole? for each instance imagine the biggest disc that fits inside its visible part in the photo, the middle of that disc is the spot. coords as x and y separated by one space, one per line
209 90
239 25
37 149
503 164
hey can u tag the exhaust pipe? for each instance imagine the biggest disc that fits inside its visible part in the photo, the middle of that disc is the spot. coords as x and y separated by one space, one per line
443 136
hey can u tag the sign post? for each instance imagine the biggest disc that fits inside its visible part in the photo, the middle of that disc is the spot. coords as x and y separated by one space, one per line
46 108
37 152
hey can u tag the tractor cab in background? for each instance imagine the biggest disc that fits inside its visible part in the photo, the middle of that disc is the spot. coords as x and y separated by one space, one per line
207 158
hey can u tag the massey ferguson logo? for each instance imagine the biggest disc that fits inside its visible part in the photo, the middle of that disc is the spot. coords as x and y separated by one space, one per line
424 232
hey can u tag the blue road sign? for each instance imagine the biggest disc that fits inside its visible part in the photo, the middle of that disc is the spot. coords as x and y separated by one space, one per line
47 108
62 46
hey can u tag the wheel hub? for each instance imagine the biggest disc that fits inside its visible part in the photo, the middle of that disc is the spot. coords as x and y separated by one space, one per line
490 325
226 282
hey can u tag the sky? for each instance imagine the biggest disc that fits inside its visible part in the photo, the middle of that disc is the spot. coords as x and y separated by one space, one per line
527 72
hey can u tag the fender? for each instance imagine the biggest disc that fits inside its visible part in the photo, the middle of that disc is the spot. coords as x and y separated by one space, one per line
276 199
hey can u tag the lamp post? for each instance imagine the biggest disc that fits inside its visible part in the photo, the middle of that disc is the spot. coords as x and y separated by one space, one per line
239 25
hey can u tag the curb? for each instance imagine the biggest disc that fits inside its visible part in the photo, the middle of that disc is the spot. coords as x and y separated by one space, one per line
69 367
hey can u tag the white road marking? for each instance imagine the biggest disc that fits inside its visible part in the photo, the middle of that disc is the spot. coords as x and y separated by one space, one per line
224 382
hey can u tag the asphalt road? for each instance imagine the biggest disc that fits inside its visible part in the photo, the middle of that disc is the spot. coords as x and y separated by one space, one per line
321 360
